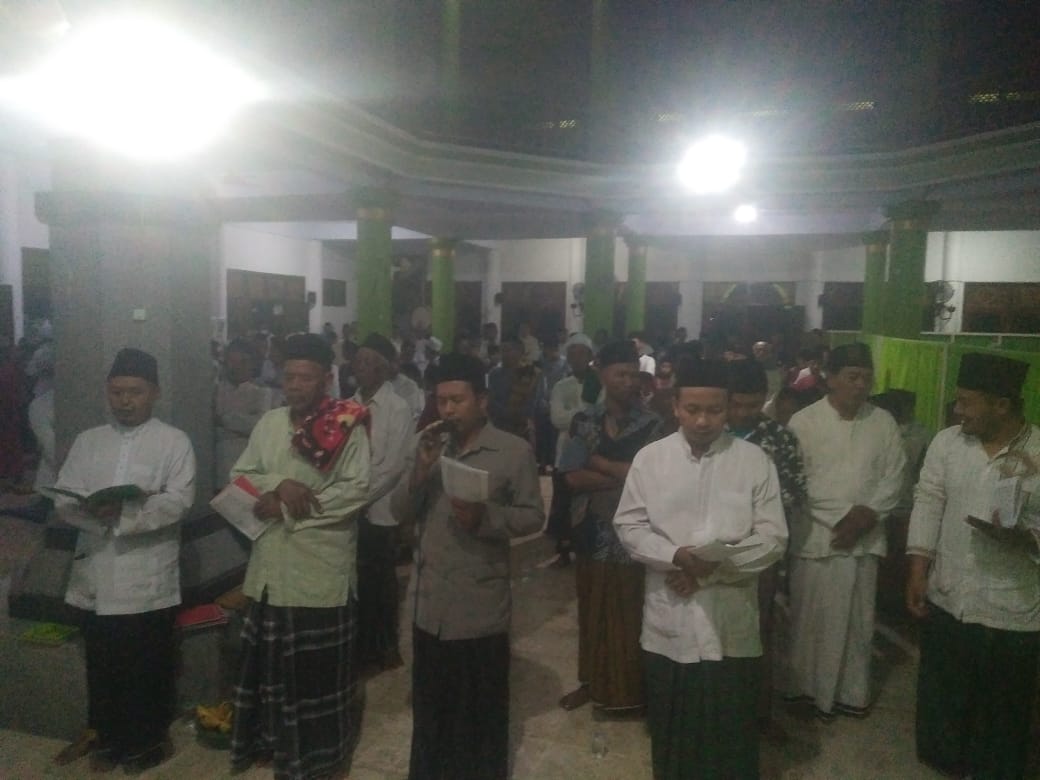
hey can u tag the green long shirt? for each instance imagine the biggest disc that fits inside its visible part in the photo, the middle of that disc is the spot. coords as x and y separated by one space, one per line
310 562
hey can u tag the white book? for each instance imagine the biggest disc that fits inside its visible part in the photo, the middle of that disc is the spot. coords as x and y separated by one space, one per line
464 482
235 504
721 551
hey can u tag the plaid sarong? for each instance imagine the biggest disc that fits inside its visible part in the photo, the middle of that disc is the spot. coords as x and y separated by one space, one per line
297 700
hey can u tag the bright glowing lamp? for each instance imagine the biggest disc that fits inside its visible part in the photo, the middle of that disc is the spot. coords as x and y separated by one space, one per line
712 164
136 87
745 213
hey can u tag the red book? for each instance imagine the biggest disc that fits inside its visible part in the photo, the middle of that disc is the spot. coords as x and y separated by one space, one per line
201 616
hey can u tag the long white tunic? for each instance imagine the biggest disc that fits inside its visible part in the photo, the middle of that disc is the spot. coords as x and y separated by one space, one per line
847 463
672 499
133 565
391 438
973 577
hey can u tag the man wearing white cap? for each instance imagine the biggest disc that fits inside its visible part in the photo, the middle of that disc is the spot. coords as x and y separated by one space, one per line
565 399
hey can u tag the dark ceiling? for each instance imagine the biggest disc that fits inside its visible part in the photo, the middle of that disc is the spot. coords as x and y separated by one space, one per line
800 76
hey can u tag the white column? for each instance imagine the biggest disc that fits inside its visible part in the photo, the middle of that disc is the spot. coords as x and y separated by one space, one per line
691 310
808 292
312 283
10 246
941 246
218 288
492 286
573 320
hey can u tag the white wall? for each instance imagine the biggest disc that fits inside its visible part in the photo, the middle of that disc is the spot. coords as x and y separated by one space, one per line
545 260
251 250
1012 256
336 264
977 256
846 264
33 176
20 179
957 257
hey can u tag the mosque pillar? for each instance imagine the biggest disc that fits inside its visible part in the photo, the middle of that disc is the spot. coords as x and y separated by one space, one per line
375 222
635 290
442 290
904 298
876 243
599 274
132 250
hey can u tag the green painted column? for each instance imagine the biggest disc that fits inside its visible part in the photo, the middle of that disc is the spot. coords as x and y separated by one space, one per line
442 285
876 243
599 274
374 258
635 290
904 298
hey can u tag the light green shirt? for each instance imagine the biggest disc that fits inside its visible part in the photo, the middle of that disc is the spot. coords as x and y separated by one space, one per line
310 562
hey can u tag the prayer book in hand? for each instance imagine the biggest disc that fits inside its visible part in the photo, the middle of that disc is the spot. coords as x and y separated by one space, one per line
109 495
235 503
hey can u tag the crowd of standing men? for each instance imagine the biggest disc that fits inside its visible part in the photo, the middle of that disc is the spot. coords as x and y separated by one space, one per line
682 503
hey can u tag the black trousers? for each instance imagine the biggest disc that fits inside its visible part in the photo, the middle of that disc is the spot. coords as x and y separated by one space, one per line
976 690
377 593
559 525
460 708
131 689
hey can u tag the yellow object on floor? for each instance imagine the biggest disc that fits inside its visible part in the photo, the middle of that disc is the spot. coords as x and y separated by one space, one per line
48 634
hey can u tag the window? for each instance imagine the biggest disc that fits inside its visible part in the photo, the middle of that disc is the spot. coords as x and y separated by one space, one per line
1004 307
333 292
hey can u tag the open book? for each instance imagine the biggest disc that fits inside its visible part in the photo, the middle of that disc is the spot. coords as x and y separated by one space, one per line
235 504
109 495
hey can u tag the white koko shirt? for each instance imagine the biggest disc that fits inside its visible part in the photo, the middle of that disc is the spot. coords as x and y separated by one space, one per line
847 463
672 499
132 566
973 577
392 439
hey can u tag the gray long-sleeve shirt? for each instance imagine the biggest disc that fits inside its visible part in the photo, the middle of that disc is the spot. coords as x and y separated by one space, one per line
460 586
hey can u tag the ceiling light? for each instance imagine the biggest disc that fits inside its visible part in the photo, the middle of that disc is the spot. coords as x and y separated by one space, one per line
136 87
712 164
745 213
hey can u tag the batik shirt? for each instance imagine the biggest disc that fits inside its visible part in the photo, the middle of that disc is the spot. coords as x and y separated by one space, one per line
593 513
782 448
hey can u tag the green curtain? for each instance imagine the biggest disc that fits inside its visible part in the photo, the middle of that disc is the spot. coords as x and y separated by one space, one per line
1020 343
916 366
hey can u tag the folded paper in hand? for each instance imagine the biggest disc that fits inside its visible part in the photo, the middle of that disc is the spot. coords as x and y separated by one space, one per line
720 551
235 504
464 482
1007 502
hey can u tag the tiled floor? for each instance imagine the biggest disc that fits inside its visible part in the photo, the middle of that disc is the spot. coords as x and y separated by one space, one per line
550 744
